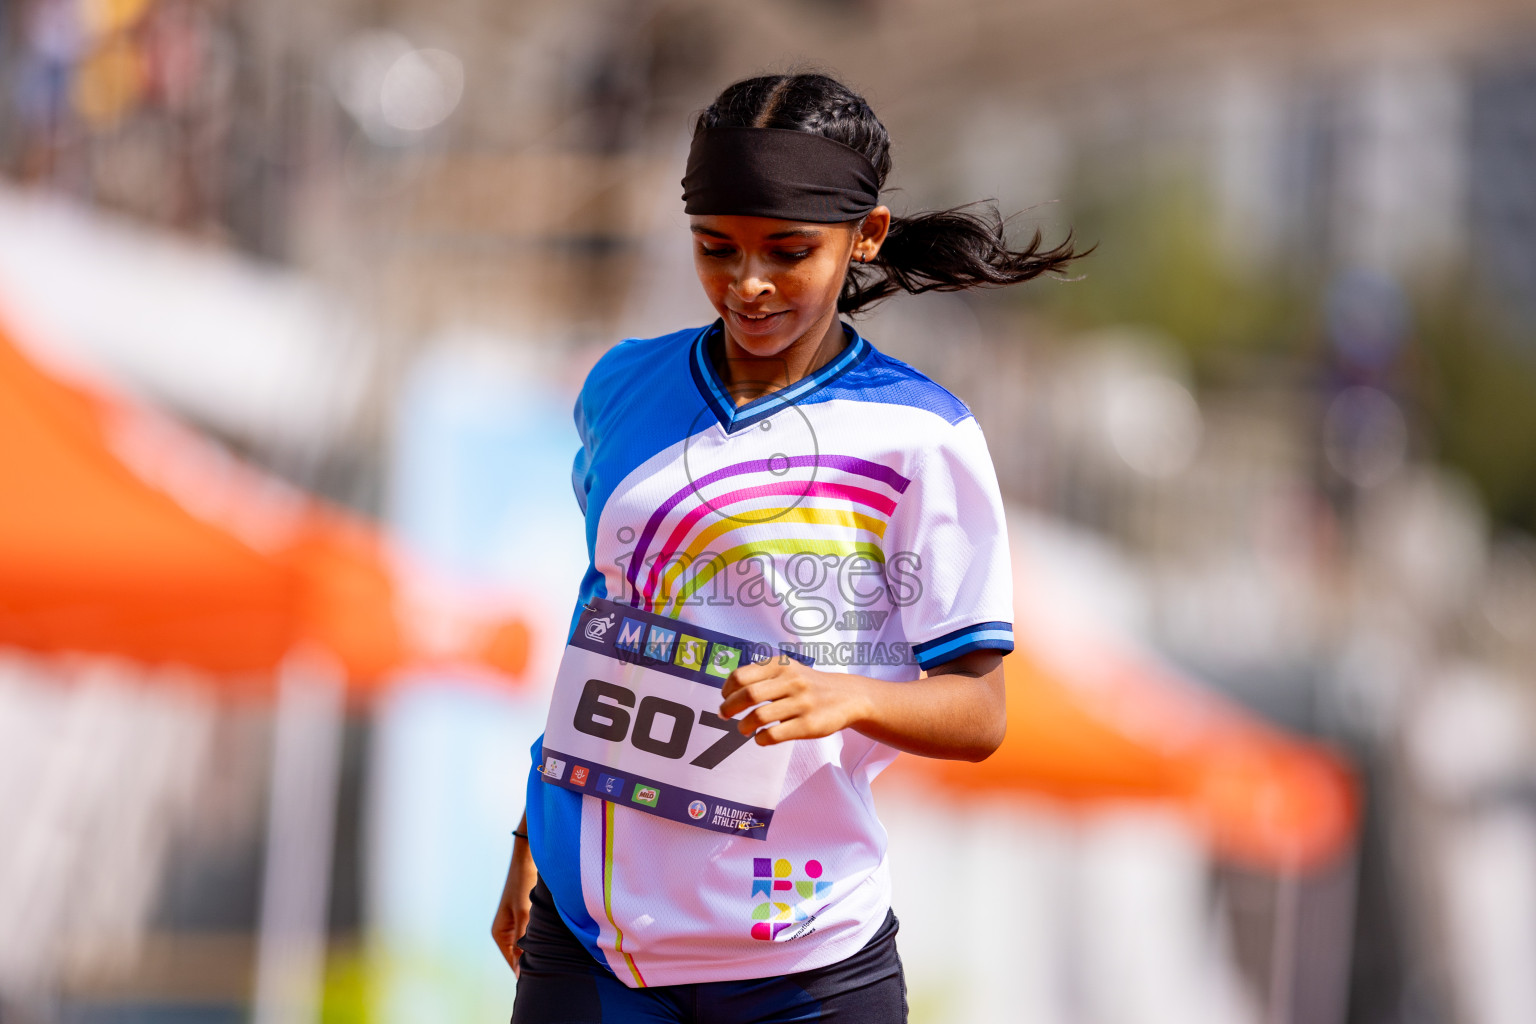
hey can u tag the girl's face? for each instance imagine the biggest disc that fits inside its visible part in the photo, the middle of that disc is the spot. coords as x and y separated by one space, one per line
775 282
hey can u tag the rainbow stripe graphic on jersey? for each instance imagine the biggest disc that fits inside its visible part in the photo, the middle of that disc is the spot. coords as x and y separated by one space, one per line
835 503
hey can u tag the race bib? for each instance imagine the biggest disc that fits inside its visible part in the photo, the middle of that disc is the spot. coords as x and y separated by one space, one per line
635 720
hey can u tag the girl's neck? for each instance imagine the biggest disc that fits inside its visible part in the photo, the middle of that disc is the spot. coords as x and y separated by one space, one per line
747 376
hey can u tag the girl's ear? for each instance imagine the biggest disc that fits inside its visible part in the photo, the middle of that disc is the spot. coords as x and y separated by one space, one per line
872 231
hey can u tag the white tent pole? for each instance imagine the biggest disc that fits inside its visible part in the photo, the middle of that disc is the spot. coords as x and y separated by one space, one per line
1282 953
301 824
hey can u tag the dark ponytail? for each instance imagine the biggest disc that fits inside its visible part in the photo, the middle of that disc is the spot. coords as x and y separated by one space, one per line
945 251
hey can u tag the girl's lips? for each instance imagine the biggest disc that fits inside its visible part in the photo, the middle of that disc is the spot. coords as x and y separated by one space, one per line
763 325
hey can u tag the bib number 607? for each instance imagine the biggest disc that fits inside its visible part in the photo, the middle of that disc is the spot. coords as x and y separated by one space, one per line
601 712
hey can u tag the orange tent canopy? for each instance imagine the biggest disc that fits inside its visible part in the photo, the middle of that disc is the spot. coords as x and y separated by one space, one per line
121 532
1261 797
1092 720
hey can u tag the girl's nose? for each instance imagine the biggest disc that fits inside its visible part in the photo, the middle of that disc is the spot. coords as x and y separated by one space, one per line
752 288
752 284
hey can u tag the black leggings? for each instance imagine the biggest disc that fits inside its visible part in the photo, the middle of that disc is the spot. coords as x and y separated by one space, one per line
560 983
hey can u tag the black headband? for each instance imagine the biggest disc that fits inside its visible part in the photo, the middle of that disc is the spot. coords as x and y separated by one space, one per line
776 172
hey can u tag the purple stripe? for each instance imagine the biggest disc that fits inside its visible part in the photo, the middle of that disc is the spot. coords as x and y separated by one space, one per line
846 463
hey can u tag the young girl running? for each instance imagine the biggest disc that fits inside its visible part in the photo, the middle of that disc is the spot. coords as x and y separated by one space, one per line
700 843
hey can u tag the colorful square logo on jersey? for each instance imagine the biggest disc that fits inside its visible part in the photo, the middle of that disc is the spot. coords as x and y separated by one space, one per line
612 785
631 633
554 768
658 645
579 775
647 795
690 652
781 898
722 661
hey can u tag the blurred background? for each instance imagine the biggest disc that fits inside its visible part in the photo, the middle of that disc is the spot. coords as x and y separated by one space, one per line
294 302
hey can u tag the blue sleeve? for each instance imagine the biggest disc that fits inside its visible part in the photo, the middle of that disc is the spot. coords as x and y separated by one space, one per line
581 480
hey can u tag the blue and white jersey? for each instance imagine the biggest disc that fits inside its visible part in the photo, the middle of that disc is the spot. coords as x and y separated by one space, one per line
854 516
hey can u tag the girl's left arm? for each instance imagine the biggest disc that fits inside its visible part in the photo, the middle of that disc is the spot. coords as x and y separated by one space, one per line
957 711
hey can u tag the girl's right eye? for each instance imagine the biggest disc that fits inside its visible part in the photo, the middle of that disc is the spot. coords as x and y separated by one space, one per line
707 251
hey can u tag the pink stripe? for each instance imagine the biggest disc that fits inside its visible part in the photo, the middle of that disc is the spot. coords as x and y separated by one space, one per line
859 495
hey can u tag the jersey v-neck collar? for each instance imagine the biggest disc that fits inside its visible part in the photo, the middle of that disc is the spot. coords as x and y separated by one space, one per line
733 417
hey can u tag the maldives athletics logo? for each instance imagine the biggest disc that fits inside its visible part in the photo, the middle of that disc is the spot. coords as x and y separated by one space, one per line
697 809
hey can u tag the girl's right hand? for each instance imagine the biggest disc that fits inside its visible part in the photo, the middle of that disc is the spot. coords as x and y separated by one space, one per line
512 914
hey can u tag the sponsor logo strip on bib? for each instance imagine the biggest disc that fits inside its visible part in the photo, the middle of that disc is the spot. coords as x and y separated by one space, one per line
658 798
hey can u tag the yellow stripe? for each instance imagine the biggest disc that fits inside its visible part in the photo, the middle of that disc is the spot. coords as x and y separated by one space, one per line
786 546
608 894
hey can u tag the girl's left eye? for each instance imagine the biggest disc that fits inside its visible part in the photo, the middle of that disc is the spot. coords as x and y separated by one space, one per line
796 254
